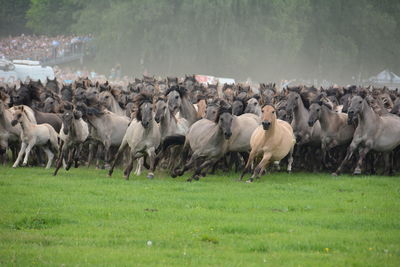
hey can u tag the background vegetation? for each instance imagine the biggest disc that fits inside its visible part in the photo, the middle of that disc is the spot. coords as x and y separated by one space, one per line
338 40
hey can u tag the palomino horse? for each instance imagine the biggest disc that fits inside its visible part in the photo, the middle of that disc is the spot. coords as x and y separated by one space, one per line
374 132
274 140
142 136
34 134
74 132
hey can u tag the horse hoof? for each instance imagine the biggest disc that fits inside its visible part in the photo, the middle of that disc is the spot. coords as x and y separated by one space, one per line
173 175
289 172
357 171
107 166
196 178
334 174
249 181
109 175
150 176
126 177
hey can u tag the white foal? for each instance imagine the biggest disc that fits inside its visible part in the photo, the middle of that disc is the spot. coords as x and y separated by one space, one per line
34 134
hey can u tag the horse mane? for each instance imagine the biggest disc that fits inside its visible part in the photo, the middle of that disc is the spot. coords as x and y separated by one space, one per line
180 89
90 111
227 86
4 97
318 100
224 107
139 100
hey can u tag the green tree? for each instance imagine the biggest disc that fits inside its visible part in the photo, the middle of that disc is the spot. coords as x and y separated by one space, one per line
52 16
12 17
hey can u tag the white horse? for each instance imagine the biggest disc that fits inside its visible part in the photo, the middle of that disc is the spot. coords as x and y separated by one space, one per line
34 134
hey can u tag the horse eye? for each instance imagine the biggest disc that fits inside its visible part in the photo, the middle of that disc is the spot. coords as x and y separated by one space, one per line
255 104
176 97
297 97
273 112
360 102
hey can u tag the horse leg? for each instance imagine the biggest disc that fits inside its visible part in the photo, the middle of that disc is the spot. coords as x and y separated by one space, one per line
77 155
28 151
20 154
99 154
107 155
90 154
362 153
388 157
184 155
50 157
70 158
205 164
250 160
139 163
128 169
290 160
152 155
348 156
120 150
60 157
260 167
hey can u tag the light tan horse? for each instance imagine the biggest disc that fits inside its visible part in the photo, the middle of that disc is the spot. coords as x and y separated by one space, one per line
34 135
274 140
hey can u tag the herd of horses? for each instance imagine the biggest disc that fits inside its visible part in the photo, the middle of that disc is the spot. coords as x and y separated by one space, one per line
179 125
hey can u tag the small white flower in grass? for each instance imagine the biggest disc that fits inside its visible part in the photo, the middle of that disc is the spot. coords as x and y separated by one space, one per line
149 243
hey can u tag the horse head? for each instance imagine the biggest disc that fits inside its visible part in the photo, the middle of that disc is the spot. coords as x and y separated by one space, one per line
355 108
17 116
144 109
224 119
161 109
268 117
238 106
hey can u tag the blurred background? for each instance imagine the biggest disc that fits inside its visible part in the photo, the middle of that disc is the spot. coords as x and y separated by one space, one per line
342 41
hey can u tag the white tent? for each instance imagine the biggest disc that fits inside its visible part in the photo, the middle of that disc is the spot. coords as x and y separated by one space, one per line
385 77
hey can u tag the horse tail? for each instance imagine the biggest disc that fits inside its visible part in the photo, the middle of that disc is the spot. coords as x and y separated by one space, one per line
171 141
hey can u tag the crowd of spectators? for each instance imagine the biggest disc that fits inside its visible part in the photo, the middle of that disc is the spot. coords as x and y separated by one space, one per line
41 47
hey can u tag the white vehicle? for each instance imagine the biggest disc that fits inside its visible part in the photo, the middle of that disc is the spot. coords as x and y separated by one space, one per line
11 71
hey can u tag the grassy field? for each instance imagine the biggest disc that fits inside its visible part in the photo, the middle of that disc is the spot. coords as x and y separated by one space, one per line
84 218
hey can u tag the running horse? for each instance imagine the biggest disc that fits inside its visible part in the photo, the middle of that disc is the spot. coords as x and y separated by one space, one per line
273 140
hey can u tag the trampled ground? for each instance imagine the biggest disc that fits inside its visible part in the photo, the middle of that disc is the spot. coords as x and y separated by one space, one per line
82 217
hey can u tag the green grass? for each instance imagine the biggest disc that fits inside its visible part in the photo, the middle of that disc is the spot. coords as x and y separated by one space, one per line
81 217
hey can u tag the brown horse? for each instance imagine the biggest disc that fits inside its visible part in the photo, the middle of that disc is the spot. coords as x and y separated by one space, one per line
274 140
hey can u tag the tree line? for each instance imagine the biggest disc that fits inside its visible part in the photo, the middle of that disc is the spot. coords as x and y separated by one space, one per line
339 40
